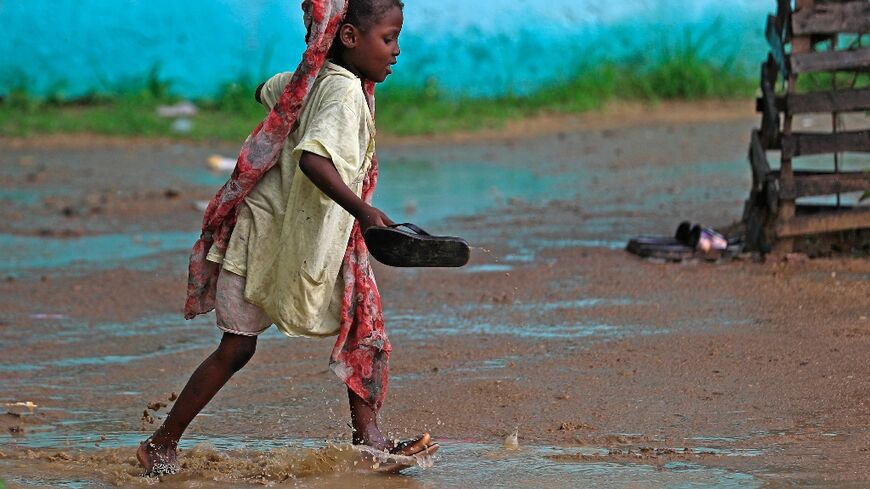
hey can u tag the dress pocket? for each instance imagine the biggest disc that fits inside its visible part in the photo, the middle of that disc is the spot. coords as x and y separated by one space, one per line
312 298
315 275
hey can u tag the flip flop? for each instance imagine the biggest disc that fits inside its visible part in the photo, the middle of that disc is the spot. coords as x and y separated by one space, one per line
399 248
425 454
701 238
392 463
411 447
683 233
661 247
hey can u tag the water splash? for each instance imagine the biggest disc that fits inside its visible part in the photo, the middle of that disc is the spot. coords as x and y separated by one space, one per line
305 463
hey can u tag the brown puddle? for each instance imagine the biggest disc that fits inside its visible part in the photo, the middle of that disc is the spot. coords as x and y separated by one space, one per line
303 464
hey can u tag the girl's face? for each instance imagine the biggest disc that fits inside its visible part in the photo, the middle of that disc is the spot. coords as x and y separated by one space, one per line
372 53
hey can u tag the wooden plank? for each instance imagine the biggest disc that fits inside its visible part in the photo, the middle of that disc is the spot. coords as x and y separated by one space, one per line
824 222
786 207
774 40
763 180
769 71
846 100
756 218
783 17
832 18
850 60
770 191
758 161
806 184
770 116
834 183
804 144
808 4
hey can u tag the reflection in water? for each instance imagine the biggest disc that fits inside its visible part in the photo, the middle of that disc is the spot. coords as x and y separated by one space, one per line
92 252
426 192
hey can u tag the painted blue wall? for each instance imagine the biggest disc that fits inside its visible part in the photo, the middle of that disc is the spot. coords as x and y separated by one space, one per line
74 46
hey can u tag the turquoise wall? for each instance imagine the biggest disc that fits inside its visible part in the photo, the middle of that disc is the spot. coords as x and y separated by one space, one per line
74 46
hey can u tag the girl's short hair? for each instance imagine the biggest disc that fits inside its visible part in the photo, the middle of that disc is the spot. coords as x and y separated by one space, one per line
365 13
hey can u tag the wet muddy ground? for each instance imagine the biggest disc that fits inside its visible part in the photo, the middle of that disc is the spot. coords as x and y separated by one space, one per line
615 371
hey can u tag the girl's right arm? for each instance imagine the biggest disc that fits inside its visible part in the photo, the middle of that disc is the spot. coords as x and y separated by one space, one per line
324 176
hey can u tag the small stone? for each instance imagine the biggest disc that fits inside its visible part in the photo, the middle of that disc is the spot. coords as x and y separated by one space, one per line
156 405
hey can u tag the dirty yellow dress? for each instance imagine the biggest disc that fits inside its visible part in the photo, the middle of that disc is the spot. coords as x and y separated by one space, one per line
290 238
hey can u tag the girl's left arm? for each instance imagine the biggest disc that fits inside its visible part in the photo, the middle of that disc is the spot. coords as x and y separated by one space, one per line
323 174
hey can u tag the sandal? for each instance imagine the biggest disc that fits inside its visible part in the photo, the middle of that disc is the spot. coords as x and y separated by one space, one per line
701 238
399 248
661 247
412 447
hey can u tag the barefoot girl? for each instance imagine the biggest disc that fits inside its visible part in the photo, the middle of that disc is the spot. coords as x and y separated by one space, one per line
282 240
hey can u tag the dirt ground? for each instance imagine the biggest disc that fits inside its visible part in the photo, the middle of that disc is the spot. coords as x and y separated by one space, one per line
553 330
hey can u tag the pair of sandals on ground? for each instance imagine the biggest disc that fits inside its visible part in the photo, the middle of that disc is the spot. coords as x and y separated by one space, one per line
689 241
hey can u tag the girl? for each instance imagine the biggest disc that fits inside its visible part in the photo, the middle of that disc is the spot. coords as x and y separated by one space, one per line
282 240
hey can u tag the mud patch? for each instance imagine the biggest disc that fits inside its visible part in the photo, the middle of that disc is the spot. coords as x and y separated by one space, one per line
302 464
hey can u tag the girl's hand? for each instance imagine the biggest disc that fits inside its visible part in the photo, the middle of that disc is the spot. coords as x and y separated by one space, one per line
373 217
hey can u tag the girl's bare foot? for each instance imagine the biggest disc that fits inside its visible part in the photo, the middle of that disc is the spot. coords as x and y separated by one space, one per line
366 432
371 436
157 460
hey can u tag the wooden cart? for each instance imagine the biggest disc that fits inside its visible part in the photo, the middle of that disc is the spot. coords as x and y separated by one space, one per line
808 38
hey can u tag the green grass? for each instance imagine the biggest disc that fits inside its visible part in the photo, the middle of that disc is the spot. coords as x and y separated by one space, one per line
675 74
131 112
406 110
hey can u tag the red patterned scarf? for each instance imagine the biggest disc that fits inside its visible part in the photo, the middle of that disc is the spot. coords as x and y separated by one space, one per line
361 354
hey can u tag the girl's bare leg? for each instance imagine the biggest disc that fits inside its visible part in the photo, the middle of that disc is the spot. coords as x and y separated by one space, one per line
230 356
364 420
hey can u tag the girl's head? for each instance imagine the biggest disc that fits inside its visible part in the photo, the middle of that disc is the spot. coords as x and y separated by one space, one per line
367 42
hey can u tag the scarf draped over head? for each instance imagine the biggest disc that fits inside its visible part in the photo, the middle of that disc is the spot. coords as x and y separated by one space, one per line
361 353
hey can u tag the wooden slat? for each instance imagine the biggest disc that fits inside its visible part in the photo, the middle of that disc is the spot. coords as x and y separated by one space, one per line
758 161
824 222
832 18
850 60
770 116
807 184
758 220
848 100
783 17
804 144
763 179
774 39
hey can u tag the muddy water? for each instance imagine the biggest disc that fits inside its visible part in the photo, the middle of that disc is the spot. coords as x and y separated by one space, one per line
84 461
88 252
77 442
505 342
